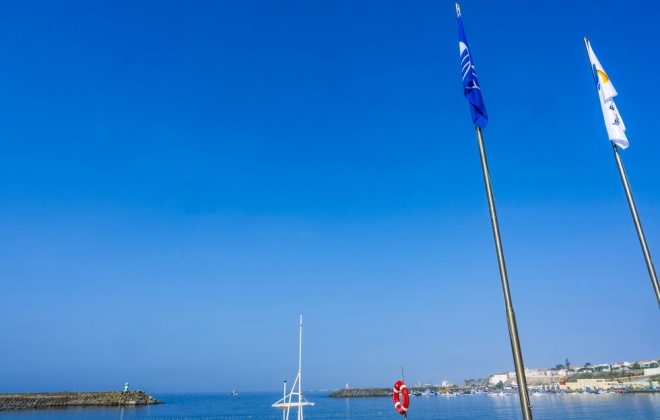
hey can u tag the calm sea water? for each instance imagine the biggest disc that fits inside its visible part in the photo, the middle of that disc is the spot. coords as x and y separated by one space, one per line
258 406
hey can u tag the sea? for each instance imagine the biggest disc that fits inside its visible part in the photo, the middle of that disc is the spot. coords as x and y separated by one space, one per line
257 405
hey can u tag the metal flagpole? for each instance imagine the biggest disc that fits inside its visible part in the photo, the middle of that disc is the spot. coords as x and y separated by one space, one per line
510 316
617 122
472 93
638 224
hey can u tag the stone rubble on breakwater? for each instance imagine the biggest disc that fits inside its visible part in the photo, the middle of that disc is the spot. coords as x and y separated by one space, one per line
362 392
32 401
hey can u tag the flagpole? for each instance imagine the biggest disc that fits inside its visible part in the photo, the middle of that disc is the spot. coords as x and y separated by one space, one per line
510 316
631 201
638 224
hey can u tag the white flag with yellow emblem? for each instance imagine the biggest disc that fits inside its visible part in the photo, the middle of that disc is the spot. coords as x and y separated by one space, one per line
616 129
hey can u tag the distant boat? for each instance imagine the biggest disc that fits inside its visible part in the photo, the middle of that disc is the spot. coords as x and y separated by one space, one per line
233 393
497 394
287 403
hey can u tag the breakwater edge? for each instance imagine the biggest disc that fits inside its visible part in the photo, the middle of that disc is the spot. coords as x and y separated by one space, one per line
361 392
33 401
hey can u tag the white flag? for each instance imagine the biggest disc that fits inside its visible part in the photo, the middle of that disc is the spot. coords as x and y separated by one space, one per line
616 129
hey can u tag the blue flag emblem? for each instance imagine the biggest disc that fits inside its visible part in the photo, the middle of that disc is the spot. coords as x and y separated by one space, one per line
471 88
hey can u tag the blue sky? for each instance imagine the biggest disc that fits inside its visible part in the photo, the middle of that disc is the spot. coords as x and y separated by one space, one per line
182 180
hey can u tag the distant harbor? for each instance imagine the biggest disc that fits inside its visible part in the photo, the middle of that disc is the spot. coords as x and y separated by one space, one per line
428 391
386 392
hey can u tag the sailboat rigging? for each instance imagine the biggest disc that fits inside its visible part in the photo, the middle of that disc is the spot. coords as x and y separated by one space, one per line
288 401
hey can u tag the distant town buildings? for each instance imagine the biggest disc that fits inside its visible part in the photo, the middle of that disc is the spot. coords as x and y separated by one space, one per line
446 384
551 377
499 377
556 379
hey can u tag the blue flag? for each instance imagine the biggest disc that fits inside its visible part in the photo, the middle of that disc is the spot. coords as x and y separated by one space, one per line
471 88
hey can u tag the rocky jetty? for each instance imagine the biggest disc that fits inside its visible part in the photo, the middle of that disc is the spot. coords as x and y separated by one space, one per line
361 392
74 399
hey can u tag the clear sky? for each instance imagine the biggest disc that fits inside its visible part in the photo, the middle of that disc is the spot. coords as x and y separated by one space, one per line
181 180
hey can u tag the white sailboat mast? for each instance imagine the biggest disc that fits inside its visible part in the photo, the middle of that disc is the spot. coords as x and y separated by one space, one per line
287 403
300 415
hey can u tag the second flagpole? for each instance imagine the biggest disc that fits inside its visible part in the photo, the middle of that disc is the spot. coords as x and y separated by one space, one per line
617 136
510 316
638 224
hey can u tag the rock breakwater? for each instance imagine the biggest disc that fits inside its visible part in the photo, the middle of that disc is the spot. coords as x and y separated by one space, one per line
361 392
74 399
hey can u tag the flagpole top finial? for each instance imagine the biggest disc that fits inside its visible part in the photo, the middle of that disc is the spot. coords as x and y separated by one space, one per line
458 10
